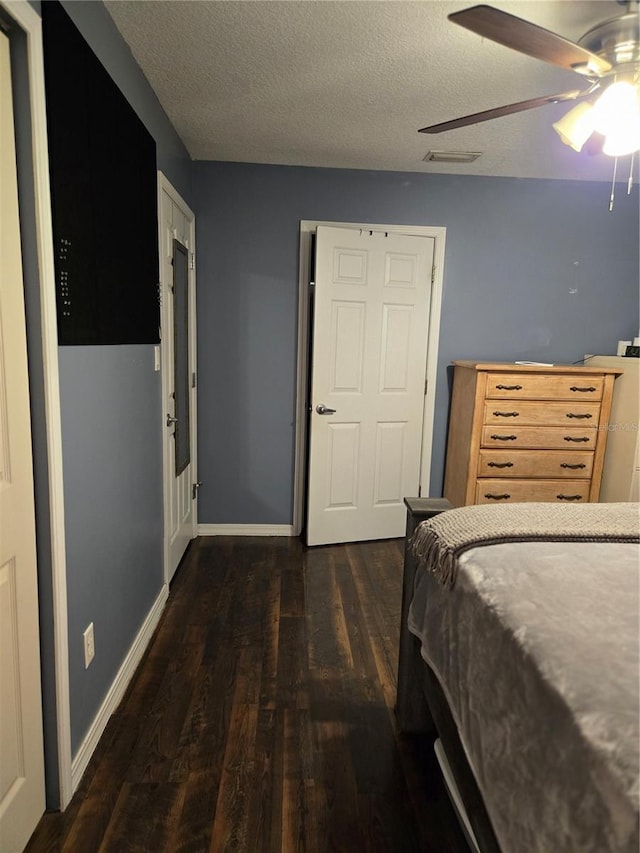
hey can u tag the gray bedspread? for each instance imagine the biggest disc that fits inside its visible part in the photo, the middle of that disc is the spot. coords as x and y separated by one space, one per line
536 648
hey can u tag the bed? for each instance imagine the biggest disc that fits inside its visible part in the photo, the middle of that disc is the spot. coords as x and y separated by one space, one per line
519 652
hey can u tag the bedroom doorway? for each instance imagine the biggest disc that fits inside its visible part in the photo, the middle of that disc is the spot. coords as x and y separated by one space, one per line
178 368
369 316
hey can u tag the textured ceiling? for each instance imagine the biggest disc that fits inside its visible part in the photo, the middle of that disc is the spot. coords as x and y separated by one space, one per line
347 84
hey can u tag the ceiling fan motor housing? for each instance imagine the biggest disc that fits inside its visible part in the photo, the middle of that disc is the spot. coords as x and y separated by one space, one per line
617 41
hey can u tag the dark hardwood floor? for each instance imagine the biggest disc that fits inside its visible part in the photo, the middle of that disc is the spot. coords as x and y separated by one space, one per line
261 717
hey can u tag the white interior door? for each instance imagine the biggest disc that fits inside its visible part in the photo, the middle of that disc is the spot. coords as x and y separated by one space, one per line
178 355
370 336
22 799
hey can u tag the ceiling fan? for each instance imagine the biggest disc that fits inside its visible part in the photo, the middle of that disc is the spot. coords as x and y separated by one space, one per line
607 56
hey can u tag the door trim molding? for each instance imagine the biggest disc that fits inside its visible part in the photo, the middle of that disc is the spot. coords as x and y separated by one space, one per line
307 228
31 24
165 186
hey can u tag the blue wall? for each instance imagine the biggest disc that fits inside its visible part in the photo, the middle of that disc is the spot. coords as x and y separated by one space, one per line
112 451
112 456
535 270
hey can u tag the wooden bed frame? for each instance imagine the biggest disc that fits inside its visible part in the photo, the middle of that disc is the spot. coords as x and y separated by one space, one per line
421 705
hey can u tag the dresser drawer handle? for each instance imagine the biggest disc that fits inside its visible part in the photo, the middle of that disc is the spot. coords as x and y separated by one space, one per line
511 388
504 437
509 414
569 497
500 464
571 438
575 388
503 497
573 467
578 417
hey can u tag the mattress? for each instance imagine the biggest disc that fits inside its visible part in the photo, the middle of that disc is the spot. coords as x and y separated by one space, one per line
536 649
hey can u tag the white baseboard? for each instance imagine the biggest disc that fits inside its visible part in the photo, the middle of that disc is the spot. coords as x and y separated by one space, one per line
116 691
246 530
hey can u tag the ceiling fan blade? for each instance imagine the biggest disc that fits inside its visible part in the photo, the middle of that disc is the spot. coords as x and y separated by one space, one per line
531 39
509 109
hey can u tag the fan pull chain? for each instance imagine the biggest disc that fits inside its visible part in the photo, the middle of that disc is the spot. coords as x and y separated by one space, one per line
613 183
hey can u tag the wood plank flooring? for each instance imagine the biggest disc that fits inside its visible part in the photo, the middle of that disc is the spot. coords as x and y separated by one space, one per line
261 717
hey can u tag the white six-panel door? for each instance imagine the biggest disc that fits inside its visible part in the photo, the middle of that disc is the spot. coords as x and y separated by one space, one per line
22 798
177 223
370 335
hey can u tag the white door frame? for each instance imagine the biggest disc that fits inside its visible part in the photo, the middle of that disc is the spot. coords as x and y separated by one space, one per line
307 228
165 186
31 24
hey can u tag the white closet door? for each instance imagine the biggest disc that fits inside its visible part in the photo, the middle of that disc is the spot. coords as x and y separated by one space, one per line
371 320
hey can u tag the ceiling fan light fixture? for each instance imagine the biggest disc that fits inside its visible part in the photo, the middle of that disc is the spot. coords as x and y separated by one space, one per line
624 141
451 156
576 126
617 108
617 116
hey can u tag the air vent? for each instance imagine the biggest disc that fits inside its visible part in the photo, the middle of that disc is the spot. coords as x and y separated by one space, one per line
451 156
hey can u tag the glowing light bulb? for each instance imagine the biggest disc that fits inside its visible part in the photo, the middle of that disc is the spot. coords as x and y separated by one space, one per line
623 140
617 108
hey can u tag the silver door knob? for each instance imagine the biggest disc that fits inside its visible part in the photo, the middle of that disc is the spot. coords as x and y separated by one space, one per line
171 420
321 409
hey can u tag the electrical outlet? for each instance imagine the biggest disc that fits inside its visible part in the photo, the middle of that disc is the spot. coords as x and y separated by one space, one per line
89 645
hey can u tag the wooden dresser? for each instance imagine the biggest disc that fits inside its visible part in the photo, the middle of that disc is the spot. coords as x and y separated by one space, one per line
526 432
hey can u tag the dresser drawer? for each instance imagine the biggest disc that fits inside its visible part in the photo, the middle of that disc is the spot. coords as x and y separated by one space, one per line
517 491
514 412
545 438
535 463
535 386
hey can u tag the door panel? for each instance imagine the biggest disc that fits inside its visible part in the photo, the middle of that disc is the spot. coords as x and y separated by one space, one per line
347 350
370 332
178 366
394 361
21 748
390 441
342 465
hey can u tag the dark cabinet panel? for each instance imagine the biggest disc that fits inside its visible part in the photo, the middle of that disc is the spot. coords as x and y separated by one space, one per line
103 186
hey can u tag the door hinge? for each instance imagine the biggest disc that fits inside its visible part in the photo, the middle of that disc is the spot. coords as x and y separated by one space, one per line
192 260
433 275
193 379
426 385
194 490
